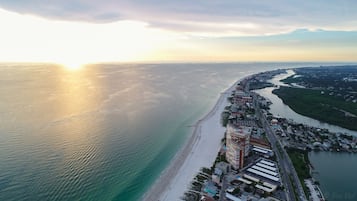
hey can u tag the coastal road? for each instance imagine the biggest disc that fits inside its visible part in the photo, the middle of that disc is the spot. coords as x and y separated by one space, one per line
289 176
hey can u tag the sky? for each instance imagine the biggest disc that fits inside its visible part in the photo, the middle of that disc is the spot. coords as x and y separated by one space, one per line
89 31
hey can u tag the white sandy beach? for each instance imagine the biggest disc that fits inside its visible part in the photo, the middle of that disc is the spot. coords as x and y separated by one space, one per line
199 151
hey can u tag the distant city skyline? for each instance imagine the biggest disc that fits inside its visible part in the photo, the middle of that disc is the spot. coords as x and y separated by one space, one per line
79 32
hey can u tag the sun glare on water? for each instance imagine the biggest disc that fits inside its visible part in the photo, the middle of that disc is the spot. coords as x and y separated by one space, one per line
72 65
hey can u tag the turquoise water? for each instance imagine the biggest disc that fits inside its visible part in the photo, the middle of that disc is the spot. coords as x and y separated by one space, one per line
104 132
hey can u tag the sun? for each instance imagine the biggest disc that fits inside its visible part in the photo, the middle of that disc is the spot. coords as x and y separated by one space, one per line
70 65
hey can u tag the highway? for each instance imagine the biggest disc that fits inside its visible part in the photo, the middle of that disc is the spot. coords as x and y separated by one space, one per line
289 176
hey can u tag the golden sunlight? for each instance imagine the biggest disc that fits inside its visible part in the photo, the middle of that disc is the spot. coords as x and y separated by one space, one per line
67 43
72 65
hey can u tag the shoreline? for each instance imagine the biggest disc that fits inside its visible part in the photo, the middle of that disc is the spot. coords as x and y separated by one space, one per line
195 153
199 150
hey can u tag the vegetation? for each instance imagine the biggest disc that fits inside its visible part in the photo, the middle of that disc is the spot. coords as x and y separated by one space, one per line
189 196
250 111
248 189
200 178
300 160
319 106
197 185
223 141
325 77
296 194
220 158
259 85
348 137
230 99
224 118
236 191
206 170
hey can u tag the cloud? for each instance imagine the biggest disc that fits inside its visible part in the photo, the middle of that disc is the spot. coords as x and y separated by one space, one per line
203 17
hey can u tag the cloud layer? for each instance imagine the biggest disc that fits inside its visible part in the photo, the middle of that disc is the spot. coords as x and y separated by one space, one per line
202 17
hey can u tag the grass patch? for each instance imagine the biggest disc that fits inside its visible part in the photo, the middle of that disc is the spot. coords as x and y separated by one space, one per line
300 160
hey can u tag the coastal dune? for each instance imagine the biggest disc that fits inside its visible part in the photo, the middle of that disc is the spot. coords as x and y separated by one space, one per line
199 151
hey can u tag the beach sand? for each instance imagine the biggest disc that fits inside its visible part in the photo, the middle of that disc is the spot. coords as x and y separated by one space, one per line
199 151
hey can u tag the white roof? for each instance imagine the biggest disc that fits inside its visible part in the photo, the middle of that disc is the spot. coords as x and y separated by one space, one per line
263 174
267 163
264 170
251 178
266 166
270 185
266 189
260 150
232 197
244 180
265 149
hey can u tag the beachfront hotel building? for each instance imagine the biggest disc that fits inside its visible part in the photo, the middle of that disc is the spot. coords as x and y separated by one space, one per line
237 143
242 98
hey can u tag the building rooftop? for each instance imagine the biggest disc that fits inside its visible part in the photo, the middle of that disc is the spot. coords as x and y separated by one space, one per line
232 197
257 172
239 130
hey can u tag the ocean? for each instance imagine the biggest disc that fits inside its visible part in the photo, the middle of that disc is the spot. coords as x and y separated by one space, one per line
104 132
